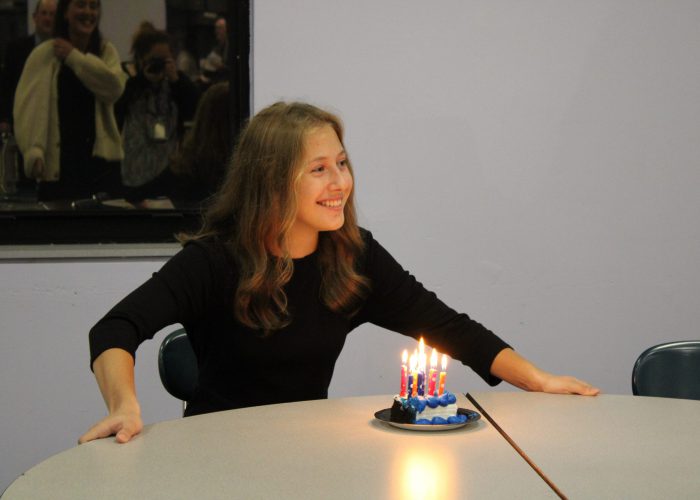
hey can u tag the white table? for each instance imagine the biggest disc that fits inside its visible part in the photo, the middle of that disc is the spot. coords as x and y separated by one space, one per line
609 446
316 449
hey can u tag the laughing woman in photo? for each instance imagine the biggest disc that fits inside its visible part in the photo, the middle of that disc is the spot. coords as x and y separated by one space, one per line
63 110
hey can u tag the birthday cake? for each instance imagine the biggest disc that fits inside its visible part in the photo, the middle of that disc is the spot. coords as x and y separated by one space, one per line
423 399
426 410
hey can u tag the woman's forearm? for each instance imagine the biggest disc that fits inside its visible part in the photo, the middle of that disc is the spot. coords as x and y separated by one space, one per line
114 371
518 371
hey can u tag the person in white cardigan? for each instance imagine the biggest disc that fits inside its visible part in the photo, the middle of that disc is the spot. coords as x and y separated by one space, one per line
63 110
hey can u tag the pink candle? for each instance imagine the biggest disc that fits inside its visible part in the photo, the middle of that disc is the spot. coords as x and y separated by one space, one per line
432 381
404 374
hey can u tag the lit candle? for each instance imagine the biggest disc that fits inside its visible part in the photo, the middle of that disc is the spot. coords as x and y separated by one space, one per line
432 375
411 383
414 374
404 373
421 367
443 375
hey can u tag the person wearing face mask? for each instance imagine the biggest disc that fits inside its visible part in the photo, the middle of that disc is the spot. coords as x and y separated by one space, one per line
151 113
64 107
16 54
277 277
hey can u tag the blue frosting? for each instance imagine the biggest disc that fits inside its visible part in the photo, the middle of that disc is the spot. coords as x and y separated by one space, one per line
420 403
457 419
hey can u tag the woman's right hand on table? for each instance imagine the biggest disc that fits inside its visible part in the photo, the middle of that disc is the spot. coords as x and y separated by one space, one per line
122 424
114 371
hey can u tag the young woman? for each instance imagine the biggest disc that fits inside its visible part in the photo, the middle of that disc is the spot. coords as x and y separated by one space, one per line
63 110
157 101
276 278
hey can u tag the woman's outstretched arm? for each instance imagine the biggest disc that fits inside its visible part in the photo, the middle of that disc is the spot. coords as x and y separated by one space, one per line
516 370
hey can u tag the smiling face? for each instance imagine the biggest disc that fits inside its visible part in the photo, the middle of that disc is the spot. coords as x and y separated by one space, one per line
43 18
82 17
322 189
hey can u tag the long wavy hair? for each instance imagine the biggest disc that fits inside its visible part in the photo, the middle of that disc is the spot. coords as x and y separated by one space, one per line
206 148
61 29
256 206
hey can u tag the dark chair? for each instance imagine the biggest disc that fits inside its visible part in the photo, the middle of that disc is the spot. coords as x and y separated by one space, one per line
177 365
670 370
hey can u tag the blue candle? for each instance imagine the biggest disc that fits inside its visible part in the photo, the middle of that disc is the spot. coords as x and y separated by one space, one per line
421 383
409 389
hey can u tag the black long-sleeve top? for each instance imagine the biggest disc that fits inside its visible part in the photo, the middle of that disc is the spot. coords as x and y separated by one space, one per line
238 367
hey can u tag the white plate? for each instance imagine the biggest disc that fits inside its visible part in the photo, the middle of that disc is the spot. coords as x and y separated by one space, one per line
385 416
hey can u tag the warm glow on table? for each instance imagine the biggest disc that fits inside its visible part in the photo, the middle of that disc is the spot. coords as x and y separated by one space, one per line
424 473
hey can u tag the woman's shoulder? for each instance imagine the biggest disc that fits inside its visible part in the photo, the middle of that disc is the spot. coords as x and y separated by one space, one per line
107 47
42 52
205 244
369 248
375 256
212 248
109 54
370 242
366 235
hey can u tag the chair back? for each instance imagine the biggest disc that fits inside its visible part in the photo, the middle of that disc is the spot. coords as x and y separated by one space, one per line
177 365
670 370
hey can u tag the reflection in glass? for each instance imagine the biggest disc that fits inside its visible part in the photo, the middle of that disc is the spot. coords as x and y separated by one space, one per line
158 170
151 112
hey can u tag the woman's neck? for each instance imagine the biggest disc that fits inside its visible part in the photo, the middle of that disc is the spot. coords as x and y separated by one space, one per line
298 245
80 41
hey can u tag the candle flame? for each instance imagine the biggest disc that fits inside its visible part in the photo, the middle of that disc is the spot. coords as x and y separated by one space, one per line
433 358
444 362
421 346
404 357
412 362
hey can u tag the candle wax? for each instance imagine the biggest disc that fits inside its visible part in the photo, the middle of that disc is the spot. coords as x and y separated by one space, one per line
404 381
421 384
441 389
432 381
